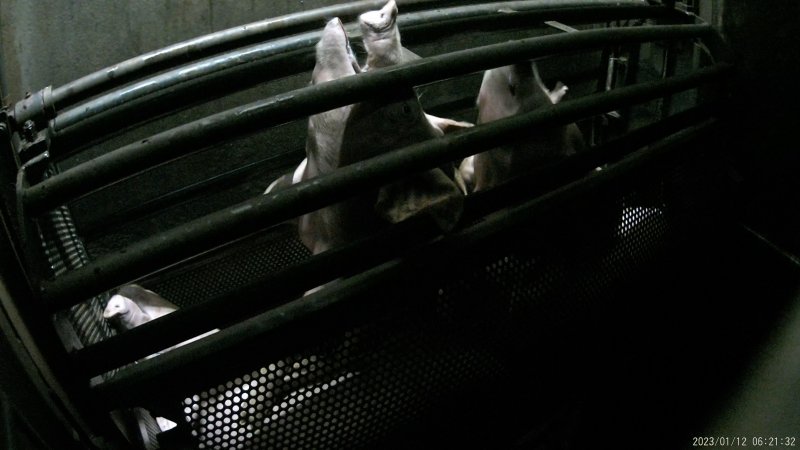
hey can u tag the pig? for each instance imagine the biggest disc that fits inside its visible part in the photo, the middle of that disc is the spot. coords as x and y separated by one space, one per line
134 305
398 121
324 228
507 91
353 133
334 59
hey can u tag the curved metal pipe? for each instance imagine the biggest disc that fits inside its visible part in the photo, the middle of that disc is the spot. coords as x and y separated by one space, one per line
199 47
211 78
223 226
217 355
194 49
202 133
345 261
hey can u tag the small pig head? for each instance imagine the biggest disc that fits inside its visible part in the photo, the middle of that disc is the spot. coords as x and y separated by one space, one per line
334 57
334 60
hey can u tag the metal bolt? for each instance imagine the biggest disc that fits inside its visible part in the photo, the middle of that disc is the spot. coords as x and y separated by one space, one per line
29 131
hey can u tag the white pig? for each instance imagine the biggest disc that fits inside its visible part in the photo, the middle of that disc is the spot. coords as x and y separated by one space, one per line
353 133
507 91
134 305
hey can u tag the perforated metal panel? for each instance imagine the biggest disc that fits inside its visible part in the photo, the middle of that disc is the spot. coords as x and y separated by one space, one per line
64 251
236 266
349 392
409 350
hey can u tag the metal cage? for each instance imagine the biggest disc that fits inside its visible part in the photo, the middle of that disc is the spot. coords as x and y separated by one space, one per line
426 339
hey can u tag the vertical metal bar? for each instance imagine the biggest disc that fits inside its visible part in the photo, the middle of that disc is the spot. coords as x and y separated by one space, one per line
6 423
598 127
669 63
631 78
41 341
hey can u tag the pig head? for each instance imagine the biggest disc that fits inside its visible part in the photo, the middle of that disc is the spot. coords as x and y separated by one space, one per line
324 228
334 59
507 91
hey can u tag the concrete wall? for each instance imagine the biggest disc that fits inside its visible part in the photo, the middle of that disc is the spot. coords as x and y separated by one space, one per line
51 42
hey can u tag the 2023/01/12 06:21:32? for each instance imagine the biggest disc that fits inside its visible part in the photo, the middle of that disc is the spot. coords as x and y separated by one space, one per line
745 441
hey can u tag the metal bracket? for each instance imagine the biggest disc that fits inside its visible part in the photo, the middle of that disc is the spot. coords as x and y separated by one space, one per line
33 150
30 122
38 107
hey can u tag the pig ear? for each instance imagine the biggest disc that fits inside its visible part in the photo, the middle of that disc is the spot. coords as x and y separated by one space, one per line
430 193
444 126
279 184
558 92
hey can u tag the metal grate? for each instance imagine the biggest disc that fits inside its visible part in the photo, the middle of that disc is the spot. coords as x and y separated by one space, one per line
349 392
233 267
375 375
438 351
65 251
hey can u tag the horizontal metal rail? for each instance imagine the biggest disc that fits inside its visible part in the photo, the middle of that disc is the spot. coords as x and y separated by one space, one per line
202 133
218 355
211 78
285 285
194 49
223 226
247 301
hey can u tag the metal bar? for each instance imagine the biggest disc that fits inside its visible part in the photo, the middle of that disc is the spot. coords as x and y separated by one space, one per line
550 176
339 262
194 49
669 64
218 355
292 105
202 46
258 213
211 78
249 300
51 368
7 423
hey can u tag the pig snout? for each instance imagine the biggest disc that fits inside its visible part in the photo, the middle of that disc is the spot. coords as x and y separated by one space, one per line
334 56
381 20
381 37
